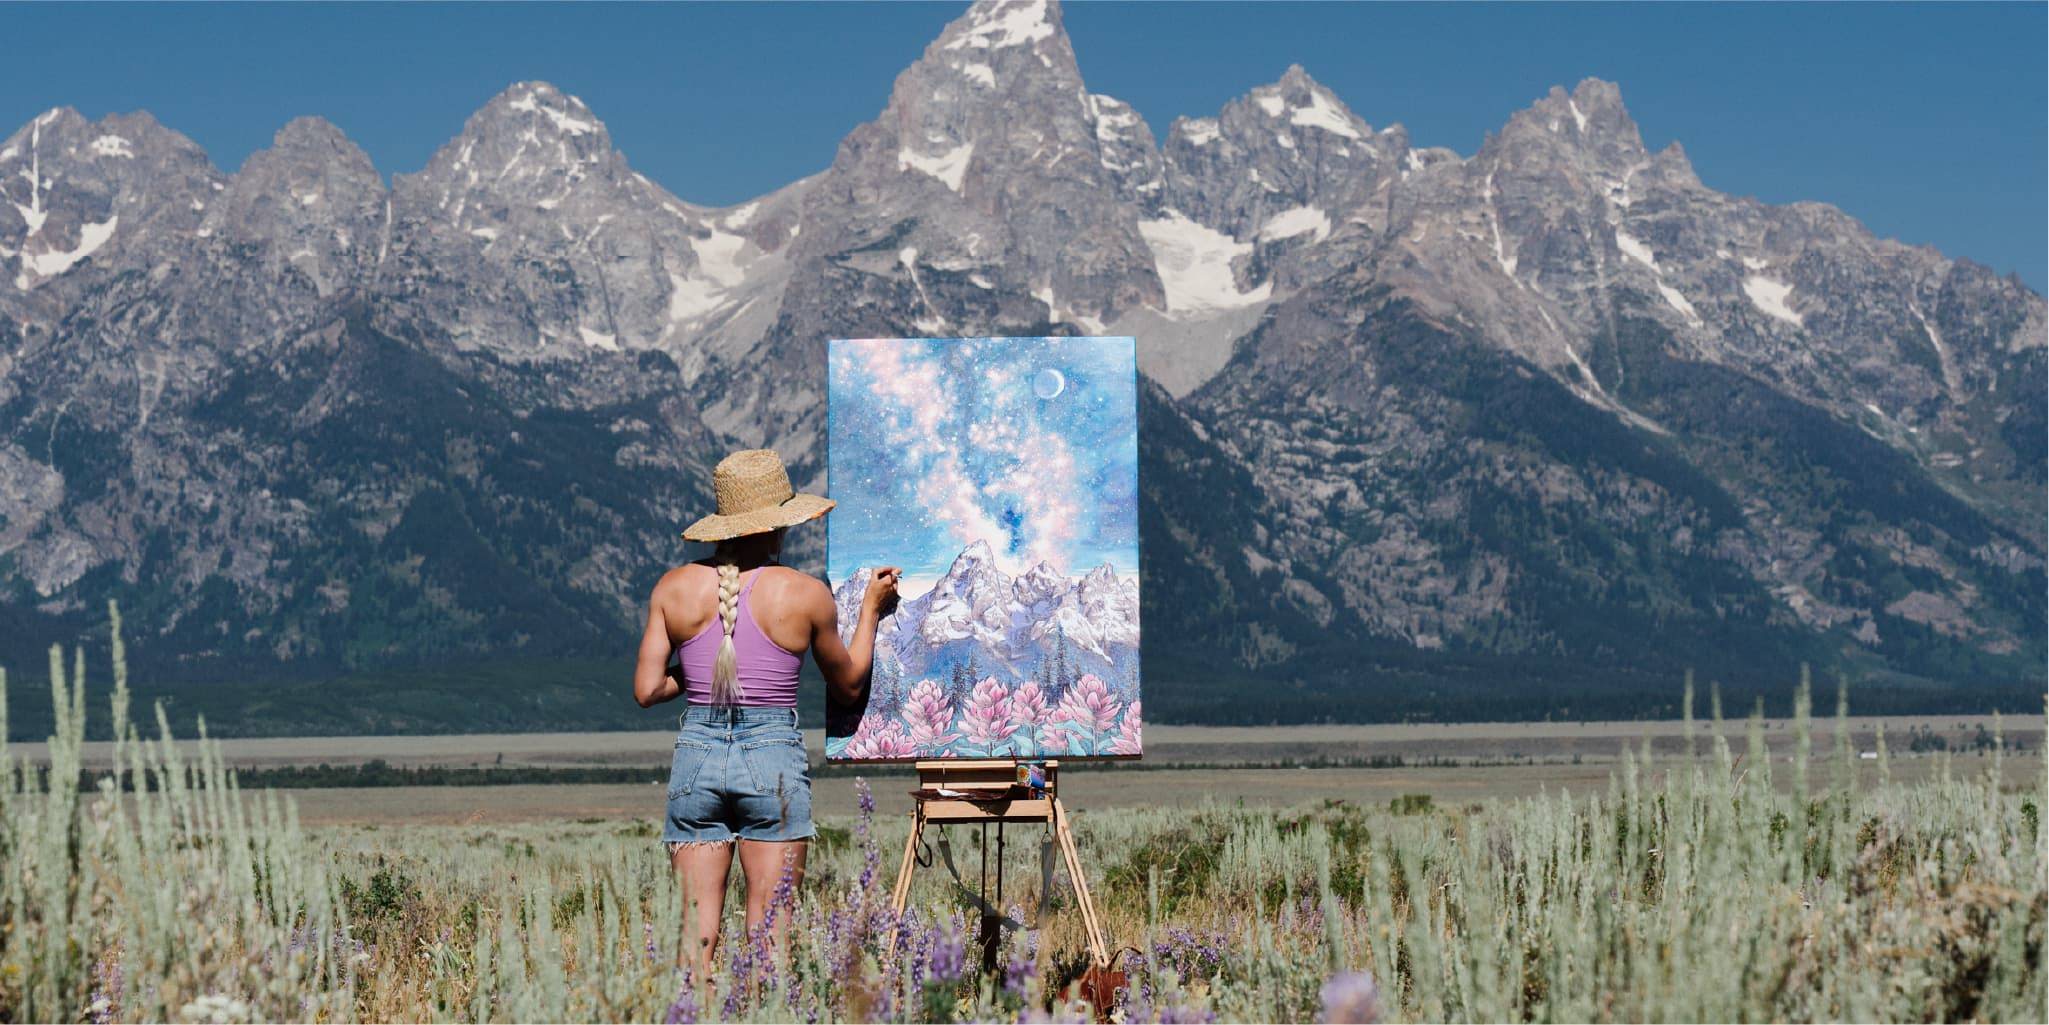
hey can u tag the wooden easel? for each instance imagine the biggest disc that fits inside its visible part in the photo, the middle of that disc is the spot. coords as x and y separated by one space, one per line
986 791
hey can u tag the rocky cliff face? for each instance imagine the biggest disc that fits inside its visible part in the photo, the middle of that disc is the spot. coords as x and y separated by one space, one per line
1556 403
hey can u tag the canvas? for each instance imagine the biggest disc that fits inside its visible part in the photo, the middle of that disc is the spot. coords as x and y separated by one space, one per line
1001 476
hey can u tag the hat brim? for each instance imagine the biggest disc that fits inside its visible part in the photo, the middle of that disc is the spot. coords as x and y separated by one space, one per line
798 508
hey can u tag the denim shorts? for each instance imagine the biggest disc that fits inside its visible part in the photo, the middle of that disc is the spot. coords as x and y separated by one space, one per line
739 771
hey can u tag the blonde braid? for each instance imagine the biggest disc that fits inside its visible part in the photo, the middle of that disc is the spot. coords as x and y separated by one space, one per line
725 672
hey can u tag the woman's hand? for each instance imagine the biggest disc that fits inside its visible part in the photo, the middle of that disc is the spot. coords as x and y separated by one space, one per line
880 597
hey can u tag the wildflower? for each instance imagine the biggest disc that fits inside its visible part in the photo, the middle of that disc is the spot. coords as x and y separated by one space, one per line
683 1011
1351 997
948 957
1022 965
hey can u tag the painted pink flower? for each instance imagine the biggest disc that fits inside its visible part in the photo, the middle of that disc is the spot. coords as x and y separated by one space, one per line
1088 705
1127 742
986 720
1028 705
928 714
1053 741
887 740
1028 713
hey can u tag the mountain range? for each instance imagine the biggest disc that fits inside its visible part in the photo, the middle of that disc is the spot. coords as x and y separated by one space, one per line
1528 431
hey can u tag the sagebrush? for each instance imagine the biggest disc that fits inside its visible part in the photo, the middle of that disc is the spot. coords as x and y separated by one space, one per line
1696 888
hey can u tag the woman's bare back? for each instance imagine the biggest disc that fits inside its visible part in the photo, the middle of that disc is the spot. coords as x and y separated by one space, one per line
783 602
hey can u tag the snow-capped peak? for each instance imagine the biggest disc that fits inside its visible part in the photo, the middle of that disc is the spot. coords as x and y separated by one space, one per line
1000 24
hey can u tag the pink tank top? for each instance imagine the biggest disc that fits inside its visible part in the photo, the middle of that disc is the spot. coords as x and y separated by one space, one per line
767 670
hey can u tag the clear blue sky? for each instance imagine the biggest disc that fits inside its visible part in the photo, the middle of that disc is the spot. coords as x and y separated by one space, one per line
1925 121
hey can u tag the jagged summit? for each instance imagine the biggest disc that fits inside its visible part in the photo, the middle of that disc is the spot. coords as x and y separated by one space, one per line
312 130
992 26
1300 101
527 129
1591 118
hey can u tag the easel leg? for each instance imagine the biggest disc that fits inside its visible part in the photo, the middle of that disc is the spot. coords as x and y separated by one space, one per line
901 896
1099 949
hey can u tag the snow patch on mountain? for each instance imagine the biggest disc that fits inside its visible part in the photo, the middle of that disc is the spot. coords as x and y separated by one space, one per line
1770 296
562 120
950 167
1194 263
1635 249
1678 302
1199 131
50 264
1322 112
1296 221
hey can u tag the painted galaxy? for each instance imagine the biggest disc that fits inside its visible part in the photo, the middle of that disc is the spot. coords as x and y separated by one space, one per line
1001 475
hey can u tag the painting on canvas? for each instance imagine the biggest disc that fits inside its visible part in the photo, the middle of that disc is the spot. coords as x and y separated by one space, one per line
1001 476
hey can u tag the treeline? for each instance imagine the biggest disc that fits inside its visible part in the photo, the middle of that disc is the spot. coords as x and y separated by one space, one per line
1387 684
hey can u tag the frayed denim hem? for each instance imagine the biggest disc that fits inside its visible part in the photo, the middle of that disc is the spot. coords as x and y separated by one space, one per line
677 845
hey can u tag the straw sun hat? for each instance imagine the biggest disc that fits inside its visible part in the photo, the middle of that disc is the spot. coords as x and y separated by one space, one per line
754 497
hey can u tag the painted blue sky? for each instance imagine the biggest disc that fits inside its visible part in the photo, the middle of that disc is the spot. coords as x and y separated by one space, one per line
1929 122
1028 444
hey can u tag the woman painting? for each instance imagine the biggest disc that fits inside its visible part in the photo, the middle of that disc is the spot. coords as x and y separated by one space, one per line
741 625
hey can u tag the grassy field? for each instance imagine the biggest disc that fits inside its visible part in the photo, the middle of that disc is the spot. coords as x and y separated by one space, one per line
1745 880
1454 764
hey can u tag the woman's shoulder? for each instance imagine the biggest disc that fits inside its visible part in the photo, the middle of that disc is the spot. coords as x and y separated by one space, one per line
681 576
793 582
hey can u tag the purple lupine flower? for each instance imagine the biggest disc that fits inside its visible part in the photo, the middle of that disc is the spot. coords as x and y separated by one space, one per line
784 897
684 1010
986 720
1023 963
1351 997
928 713
652 953
1189 955
947 955
1127 742
1181 1014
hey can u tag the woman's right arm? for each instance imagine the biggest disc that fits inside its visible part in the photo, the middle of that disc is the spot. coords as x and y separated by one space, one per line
652 683
846 666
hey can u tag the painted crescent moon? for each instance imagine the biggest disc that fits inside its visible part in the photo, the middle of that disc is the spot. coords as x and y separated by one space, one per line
1049 383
